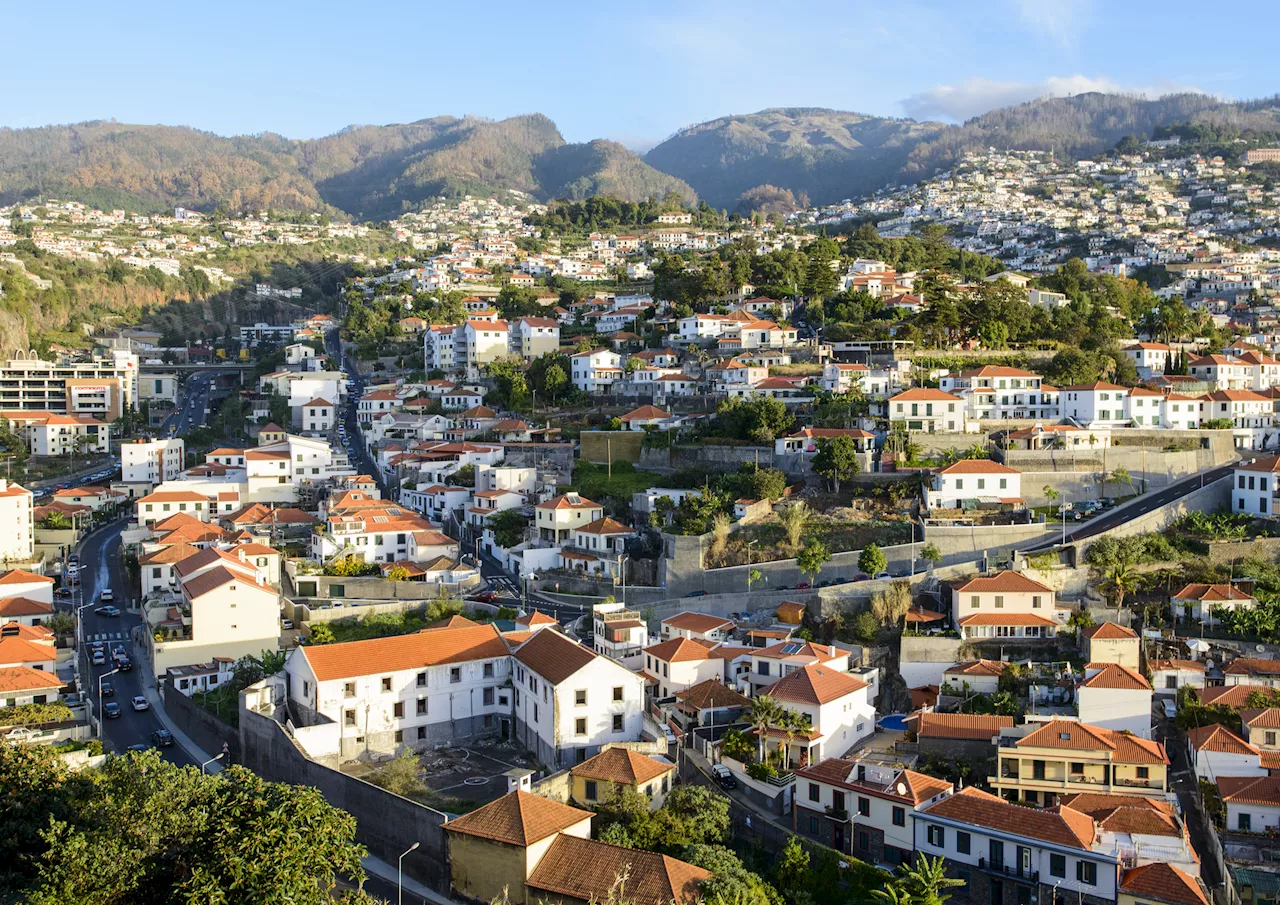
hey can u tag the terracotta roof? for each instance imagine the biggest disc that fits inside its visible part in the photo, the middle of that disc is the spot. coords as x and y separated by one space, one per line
680 650
518 818
645 413
553 656
1058 825
924 395
978 668
1005 619
23 606
18 650
434 647
967 726
622 766
582 869
35 633
1007 581
839 772
711 694
1110 631
565 502
1234 696
977 466
1252 666
813 684
1072 735
1269 463
15 679
452 622
1178 664
1264 790
19 576
605 525
1268 718
174 553
199 585
1218 738
1164 883
1211 592
535 618
697 622
1113 675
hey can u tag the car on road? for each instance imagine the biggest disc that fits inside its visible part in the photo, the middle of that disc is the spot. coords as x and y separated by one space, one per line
162 738
485 596
107 610
802 586
1170 709
63 591
723 776
139 748
140 703
106 596
99 658
97 645
862 576
880 576
122 662
111 710
108 690
696 594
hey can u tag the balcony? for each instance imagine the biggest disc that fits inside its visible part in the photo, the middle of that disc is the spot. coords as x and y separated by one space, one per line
1009 870
840 814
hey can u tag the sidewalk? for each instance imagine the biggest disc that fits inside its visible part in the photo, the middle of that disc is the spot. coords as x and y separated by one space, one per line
376 867
183 740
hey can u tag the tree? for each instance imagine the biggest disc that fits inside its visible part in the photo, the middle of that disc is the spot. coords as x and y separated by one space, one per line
837 459
926 879
791 873
812 557
793 723
931 554
508 527
142 829
890 606
793 518
401 775
1120 580
1121 476
554 379
764 711
730 882
872 560
320 634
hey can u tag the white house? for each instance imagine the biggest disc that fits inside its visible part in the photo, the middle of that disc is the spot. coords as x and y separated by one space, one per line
679 663
1005 605
928 410
569 700
17 522
837 704
1252 803
596 371
1254 488
1167 676
147 463
972 479
698 626
316 416
998 392
1115 697
1220 752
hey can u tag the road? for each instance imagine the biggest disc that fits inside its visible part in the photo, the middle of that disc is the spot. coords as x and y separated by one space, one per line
101 568
356 450
196 406
1143 505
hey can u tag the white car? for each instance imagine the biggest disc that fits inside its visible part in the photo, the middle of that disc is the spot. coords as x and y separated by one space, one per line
140 703
107 596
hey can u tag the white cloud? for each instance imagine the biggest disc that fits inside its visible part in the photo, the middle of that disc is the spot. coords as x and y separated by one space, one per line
976 96
1058 20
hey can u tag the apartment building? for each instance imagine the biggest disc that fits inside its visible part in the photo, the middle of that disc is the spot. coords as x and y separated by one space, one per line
479 342
620 634
864 810
997 392
1243 408
146 463
1115 697
569 701
875 383
535 336
1254 486
768 664
432 687
317 416
17 524
100 388
1098 403
596 371
556 519
680 663
438 347
1005 605
51 434
1065 756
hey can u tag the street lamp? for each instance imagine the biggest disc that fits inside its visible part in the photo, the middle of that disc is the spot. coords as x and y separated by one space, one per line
211 760
100 678
400 874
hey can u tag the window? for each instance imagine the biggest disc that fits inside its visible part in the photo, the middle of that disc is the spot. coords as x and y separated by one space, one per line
349 718
813 821
1270 738
1035 601
422 680
422 732
488 670
1144 773
762 668
1077 767
1087 873
591 790
397 710
936 836
535 713
899 817
617 693
1246 824
386 683
963 841
455 675
422 706
999 602
617 722
580 697
348 689
580 726
815 793
1057 865
488 697
864 807
399 736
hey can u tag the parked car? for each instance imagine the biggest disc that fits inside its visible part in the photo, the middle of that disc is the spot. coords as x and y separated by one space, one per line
725 778
286 624
696 594
139 748
879 576
862 576
1170 709
162 738
802 586
111 710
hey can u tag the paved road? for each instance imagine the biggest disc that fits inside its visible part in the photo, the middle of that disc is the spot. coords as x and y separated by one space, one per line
196 407
1109 520
356 450
101 568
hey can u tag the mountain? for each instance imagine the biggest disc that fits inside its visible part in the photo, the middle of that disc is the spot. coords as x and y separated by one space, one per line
824 154
370 172
829 155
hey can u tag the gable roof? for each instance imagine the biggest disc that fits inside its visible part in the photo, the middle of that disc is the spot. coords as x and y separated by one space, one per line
553 656
711 694
23 606
1218 738
1264 790
586 870
1115 676
680 650
1007 581
977 466
518 818
623 766
1164 883
1057 825
697 622
965 726
813 684
1072 735
1110 631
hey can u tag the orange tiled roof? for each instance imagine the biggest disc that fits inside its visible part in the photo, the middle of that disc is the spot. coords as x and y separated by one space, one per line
404 652
1007 581
966 726
518 818
1058 825
586 870
622 766
1164 883
813 684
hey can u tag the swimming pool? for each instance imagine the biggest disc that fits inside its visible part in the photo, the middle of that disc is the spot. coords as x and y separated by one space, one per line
896 722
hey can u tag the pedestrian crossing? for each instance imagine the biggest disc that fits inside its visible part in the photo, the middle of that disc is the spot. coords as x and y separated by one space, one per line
107 636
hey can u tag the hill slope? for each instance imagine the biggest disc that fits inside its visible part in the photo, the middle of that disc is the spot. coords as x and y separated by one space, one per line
366 171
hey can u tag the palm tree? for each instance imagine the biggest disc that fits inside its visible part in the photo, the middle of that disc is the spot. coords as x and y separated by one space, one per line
1120 580
926 879
793 723
763 714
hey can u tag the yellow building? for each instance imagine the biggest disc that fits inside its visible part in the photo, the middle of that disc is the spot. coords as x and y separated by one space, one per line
600 778
1065 756
493 849
1111 643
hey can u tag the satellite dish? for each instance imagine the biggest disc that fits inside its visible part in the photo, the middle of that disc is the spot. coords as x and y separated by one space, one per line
902 788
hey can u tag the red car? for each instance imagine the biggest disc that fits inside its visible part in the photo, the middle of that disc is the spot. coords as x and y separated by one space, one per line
802 586
485 596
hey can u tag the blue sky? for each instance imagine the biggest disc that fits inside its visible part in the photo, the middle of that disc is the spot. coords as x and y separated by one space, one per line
634 72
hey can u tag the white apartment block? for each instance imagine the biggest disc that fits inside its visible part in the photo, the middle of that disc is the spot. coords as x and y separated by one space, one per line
17 523
535 336
51 434
1254 487
102 388
932 411
971 479
596 371
996 392
875 383
479 342
438 347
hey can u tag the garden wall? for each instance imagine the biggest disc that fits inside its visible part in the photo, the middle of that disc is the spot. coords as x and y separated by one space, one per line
201 726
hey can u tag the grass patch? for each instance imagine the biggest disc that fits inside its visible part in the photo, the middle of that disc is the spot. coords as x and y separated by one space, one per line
595 481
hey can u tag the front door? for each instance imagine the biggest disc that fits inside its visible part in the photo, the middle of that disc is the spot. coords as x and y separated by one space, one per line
837 838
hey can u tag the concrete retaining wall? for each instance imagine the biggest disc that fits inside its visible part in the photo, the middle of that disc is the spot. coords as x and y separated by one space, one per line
203 727
385 823
598 447
1204 499
922 660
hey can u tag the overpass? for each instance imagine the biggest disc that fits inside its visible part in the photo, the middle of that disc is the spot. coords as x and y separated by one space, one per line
239 366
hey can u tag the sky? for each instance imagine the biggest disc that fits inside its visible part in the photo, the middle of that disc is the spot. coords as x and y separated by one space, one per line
633 72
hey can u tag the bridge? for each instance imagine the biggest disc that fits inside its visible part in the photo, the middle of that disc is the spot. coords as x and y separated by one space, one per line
237 366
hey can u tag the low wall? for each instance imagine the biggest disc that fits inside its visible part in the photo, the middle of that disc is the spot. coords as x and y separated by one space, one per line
964 543
599 447
557 787
385 823
922 660
201 726
333 587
